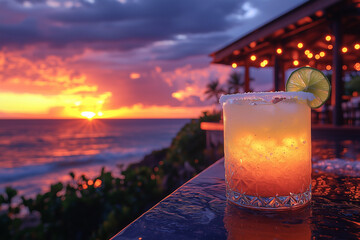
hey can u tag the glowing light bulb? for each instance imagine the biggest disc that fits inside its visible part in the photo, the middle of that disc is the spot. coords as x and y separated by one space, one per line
322 54
279 51
296 62
307 52
344 67
328 67
344 49
357 46
253 58
300 45
310 55
317 56
264 63
328 38
357 66
330 47
234 65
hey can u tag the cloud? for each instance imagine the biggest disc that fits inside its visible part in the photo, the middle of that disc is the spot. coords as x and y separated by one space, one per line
191 82
49 106
192 45
154 111
247 11
123 26
49 87
51 72
119 56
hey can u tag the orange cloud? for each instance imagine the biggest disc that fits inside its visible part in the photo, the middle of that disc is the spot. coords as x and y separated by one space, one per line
135 75
187 92
51 72
192 82
50 106
54 87
25 103
79 89
47 87
140 111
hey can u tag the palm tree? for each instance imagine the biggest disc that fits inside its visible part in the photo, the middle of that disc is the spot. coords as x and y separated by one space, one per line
214 90
235 82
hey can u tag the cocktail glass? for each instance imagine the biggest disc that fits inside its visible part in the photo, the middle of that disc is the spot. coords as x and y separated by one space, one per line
267 141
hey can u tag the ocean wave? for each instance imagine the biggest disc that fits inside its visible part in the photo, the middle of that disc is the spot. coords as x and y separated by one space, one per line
8 175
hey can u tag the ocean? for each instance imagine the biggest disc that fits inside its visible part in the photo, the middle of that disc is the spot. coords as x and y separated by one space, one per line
37 153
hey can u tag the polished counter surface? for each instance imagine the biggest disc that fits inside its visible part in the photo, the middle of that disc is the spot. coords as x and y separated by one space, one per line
199 210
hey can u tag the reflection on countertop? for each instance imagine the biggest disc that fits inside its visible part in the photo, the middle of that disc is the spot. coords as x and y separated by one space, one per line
198 209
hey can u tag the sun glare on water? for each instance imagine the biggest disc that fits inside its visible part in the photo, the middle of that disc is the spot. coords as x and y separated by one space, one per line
88 115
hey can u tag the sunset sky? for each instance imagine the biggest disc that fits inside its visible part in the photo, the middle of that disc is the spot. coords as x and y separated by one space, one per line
120 58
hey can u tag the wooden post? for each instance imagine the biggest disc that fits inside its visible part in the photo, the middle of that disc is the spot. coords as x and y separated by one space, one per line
277 73
247 78
282 75
336 81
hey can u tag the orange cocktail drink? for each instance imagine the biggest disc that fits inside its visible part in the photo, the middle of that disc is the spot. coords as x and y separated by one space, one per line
268 149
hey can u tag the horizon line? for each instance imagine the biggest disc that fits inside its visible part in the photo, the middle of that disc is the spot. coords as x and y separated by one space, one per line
91 119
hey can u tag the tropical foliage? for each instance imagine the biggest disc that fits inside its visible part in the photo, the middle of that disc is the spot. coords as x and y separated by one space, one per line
353 85
234 84
100 207
214 90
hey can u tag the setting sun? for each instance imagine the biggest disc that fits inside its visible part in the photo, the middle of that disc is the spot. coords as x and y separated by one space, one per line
88 115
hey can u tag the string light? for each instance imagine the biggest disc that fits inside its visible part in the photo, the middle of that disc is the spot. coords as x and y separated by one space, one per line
328 67
344 67
310 55
300 45
296 62
279 51
344 49
328 38
307 52
317 56
357 46
236 52
330 46
253 58
264 63
234 65
322 54
357 66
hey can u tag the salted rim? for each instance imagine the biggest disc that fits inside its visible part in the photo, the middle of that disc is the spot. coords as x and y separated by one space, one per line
267 96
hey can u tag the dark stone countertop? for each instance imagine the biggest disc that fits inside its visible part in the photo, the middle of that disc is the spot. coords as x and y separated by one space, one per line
199 210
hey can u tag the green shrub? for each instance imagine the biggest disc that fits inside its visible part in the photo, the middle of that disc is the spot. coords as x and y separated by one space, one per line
98 208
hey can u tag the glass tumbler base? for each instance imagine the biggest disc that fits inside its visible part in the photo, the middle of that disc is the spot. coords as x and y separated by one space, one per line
277 203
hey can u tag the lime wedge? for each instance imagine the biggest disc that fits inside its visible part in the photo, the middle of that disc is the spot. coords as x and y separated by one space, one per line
311 80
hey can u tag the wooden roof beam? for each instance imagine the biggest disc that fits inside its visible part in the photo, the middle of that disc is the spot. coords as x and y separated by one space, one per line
306 9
